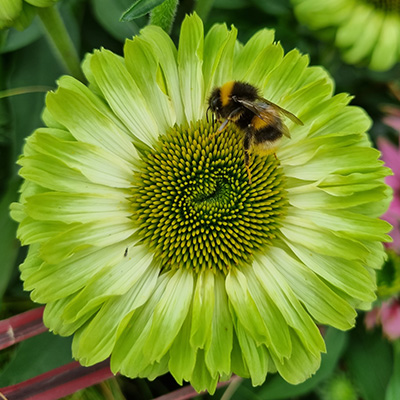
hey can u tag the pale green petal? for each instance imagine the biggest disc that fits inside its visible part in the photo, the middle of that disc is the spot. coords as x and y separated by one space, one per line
76 207
190 63
365 43
219 346
348 276
245 307
166 53
201 379
78 237
96 163
124 96
305 232
258 70
54 281
115 280
89 124
386 51
219 46
142 64
42 3
255 356
354 26
203 308
182 354
127 356
284 80
97 341
244 57
282 294
321 302
169 314
301 365
278 330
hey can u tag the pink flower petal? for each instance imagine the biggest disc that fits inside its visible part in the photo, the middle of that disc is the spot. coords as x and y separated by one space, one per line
371 318
391 155
390 318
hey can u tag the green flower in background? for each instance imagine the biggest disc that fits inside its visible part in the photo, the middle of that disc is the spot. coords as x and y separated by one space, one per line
147 241
367 31
19 13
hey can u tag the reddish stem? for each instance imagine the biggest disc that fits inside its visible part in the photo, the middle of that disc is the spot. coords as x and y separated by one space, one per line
21 327
58 382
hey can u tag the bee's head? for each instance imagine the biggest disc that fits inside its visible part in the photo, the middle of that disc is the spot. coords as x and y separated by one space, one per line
214 102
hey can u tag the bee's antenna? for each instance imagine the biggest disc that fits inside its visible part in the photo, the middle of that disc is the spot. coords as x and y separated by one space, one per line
207 114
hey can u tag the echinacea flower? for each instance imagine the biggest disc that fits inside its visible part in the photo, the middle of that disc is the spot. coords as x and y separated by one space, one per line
19 13
391 157
366 31
149 244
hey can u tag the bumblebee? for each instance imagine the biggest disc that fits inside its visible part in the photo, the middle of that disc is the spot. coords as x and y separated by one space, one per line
258 118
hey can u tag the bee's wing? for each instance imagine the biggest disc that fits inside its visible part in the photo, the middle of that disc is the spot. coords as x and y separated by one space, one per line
284 112
259 108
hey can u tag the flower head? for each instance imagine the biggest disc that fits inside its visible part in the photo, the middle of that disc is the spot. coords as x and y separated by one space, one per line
19 13
367 31
147 241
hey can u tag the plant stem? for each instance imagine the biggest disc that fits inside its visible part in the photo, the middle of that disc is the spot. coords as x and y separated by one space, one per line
203 8
164 15
60 40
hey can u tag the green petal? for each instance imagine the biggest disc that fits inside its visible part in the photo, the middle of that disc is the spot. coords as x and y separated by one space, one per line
99 233
256 357
190 62
301 365
115 280
127 356
365 43
142 64
169 314
182 355
96 163
219 346
245 57
276 325
287 302
386 51
348 276
322 303
201 379
203 308
263 63
9 11
89 124
124 96
54 281
285 78
354 26
219 47
303 231
76 207
42 3
245 306
166 53
98 339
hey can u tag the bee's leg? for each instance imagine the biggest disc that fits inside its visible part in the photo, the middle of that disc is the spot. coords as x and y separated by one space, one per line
225 123
246 146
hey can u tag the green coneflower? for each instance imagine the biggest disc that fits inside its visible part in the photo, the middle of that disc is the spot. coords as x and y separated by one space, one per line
367 31
147 241
19 13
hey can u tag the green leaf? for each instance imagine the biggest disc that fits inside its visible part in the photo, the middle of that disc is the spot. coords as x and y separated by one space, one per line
369 362
36 356
139 8
393 389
